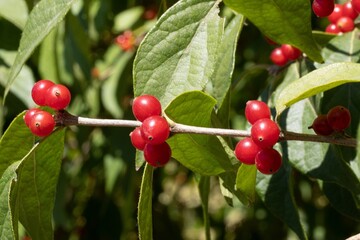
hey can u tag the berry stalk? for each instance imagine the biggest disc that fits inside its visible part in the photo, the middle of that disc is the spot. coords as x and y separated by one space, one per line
63 118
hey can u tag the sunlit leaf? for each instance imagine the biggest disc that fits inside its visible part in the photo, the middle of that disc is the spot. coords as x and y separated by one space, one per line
282 21
246 181
16 12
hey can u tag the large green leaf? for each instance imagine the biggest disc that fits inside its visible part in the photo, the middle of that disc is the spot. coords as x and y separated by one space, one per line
203 154
221 80
145 205
8 222
317 81
179 53
36 185
42 19
15 11
246 181
16 142
283 21
277 193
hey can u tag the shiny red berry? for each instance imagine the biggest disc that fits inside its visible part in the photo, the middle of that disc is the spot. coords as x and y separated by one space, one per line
246 150
58 97
157 155
146 106
155 130
321 126
256 110
268 161
277 57
29 114
345 24
290 52
42 124
349 11
336 14
265 133
323 8
137 140
339 118
356 5
39 91
333 28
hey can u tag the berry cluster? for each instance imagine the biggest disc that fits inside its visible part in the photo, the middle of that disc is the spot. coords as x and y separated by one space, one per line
126 41
337 119
258 149
151 136
340 16
46 93
283 54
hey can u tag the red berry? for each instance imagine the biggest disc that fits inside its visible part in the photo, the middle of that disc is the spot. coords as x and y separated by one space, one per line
146 106
58 97
39 91
155 130
126 41
336 14
42 124
333 28
321 126
323 8
246 150
256 110
356 5
29 114
349 11
290 52
137 140
268 161
157 155
345 24
265 133
339 118
277 57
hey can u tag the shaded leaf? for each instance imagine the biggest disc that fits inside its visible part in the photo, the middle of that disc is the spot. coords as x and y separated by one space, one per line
322 38
145 205
36 185
179 53
204 189
8 222
16 142
202 154
246 181
42 19
282 21
317 81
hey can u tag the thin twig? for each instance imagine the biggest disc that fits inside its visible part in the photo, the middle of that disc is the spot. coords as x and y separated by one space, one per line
64 118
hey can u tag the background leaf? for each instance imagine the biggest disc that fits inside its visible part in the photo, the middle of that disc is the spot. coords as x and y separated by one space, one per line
42 19
282 21
179 53
202 154
16 12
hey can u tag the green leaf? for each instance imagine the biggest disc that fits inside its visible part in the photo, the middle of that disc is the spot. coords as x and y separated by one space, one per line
282 21
221 80
179 53
42 19
15 12
204 189
145 205
277 194
203 154
8 222
315 82
246 181
343 48
322 38
36 185
126 19
16 142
